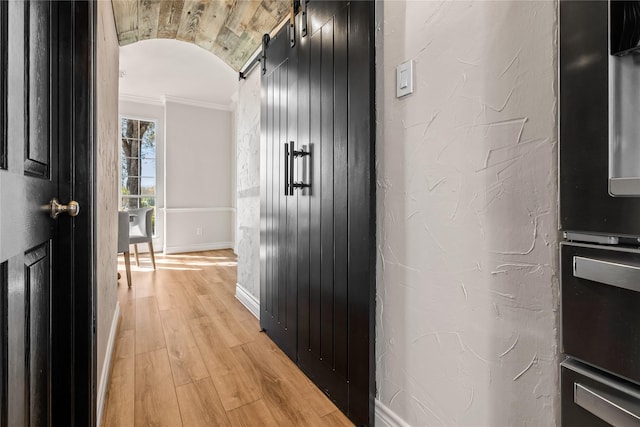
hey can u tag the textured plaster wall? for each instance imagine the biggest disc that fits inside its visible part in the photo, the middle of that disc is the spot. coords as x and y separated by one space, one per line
199 176
107 175
467 286
248 183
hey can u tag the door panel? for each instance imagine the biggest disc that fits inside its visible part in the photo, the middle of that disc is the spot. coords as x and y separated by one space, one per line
28 182
38 322
38 92
318 260
279 293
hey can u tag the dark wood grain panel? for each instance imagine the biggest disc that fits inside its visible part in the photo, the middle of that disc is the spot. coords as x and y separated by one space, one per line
283 139
291 230
4 51
315 138
303 200
279 309
322 238
37 149
17 410
362 204
327 183
37 332
341 197
270 195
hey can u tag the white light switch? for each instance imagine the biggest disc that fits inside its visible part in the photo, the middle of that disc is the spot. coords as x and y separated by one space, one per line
404 79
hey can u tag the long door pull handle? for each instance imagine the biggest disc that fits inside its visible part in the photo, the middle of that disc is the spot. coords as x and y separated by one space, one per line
291 165
286 169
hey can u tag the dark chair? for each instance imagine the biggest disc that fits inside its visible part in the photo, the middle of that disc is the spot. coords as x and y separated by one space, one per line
123 242
141 231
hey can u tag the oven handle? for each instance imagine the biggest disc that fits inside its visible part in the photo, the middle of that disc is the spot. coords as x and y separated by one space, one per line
610 273
604 406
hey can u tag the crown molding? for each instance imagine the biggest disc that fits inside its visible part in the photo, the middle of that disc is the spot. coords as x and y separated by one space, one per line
195 103
141 99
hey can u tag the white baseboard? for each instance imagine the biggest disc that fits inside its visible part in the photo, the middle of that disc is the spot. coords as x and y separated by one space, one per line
248 300
385 417
106 367
198 247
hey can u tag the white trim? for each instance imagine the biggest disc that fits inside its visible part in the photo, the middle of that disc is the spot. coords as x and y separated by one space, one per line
141 99
197 247
197 210
106 366
249 301
196 103
385 417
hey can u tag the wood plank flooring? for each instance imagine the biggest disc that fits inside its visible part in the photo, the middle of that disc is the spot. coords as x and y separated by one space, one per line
188 353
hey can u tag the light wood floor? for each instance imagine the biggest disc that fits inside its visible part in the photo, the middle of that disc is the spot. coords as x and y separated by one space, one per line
189 354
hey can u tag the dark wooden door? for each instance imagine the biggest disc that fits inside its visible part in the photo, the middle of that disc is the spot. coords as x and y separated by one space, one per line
44 379
329 227
278 204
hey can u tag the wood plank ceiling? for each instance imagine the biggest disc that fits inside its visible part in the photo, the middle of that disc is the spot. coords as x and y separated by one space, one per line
230 29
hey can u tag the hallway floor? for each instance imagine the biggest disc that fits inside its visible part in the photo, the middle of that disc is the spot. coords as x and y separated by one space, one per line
188 353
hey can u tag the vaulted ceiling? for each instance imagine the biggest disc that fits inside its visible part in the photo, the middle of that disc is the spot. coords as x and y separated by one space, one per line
231 29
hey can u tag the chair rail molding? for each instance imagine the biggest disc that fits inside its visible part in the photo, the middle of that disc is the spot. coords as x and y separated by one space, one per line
197 210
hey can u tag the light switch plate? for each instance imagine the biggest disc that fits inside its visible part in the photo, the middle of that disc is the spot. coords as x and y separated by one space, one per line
404 79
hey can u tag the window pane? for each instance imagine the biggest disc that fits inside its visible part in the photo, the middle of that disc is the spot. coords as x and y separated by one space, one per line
131 147
149 129
131 168
148 186
132 186
132 128
148 168
147 202
130 203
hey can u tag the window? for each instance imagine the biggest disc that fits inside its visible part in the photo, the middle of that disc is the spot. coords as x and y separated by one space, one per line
138 164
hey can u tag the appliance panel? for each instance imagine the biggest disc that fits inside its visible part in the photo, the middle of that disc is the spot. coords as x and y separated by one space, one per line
591 398
600 308
585 202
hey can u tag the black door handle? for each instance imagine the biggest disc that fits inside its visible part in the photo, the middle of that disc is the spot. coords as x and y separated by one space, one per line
286 170
291 165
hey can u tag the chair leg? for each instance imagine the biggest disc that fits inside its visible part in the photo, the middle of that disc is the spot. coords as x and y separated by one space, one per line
153 257
135 249
127 263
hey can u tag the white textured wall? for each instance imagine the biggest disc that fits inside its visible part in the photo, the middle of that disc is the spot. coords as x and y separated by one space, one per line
467 284
107 176
248 183
199 176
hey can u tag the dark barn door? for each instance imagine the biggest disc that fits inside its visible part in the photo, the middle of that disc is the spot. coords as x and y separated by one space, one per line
45 371
278 206
318 247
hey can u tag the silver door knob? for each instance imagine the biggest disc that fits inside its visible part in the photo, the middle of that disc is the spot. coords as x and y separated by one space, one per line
73 208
